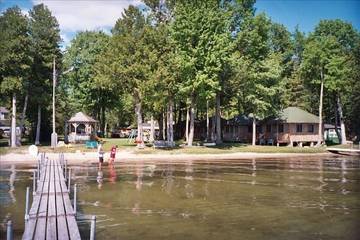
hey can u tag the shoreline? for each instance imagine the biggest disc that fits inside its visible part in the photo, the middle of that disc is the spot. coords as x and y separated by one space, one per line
126 156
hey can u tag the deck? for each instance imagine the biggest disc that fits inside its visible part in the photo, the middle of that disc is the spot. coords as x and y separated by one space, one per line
51 215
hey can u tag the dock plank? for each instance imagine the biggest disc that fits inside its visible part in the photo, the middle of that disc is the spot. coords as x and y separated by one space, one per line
62 233
51 229
51 214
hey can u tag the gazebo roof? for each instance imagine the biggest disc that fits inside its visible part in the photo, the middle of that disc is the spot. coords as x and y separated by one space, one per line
81 117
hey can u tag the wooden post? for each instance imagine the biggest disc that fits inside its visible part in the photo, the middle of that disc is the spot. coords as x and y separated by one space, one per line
69 180
9 231
38 171
75 189
65 169
93 228
34 182
27 203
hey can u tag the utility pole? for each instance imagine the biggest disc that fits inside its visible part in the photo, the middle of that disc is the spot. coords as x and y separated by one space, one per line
54 134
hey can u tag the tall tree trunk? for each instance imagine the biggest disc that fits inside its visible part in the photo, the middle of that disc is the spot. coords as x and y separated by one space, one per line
192 120
152 130
213 128
167 122
37 138
337 122
23 114
254 131
320 134
138 113
218 120
170 129
207 122
187 124
165 125
13 122
342 123
103 120
161 127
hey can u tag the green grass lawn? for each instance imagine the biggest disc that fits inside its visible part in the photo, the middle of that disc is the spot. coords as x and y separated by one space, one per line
123 143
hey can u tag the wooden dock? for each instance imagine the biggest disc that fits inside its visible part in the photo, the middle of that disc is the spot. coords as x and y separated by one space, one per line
344 151
51 215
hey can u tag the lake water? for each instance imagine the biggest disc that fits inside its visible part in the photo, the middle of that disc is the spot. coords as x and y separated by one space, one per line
235 199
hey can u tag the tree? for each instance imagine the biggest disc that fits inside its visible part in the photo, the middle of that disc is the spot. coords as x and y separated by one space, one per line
201 33
45 39
340 68
85 89
258 70
14 58
328 61
126 63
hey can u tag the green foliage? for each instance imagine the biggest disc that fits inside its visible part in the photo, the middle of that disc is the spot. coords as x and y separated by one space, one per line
14 51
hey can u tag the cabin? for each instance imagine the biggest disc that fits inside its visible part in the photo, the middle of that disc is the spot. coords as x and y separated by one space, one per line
293 126
81 127
238 129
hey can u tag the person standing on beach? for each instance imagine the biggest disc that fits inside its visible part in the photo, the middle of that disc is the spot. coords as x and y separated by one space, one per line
113 153
100 152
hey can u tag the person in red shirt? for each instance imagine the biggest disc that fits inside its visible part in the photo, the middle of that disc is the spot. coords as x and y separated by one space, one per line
113 153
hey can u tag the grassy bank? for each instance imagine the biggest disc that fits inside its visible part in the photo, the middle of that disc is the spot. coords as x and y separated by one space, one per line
124 144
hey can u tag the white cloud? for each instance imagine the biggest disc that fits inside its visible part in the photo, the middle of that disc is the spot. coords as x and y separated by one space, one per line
87 14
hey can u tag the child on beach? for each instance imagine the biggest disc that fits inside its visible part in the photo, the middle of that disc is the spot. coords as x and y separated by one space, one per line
113 153
100 152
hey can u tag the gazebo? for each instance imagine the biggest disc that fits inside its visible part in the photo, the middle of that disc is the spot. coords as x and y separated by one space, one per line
80 127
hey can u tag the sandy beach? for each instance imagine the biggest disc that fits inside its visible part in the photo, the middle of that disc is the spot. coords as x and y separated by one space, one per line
126 156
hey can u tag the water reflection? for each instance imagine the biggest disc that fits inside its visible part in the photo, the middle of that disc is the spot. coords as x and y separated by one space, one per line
11 183
254 198
100 178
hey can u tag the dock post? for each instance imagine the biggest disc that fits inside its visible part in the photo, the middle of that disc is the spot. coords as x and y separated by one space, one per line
65 169
75 189
38 170
34 182
9 231
69 180
93 228
27 203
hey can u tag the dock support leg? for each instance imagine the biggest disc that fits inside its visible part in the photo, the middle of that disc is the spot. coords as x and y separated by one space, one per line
69 180
93 228
38 171
34 182
9 231
27 203
65 169
75 190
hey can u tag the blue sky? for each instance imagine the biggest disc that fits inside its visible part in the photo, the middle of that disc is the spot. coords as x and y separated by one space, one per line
81 15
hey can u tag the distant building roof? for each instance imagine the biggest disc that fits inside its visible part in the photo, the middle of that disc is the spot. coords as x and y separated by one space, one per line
297 115
81 117
3 110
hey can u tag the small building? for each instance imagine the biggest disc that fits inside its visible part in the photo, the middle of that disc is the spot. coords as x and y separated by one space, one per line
238 129
293 126
4 113
81 127
330 134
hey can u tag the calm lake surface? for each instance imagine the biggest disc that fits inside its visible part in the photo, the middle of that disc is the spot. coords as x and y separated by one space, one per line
236 199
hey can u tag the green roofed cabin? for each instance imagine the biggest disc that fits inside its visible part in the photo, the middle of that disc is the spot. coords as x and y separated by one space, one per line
292 126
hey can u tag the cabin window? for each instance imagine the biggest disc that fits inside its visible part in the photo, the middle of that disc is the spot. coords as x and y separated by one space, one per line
268 128
281 128
298 127
259 129
311 128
